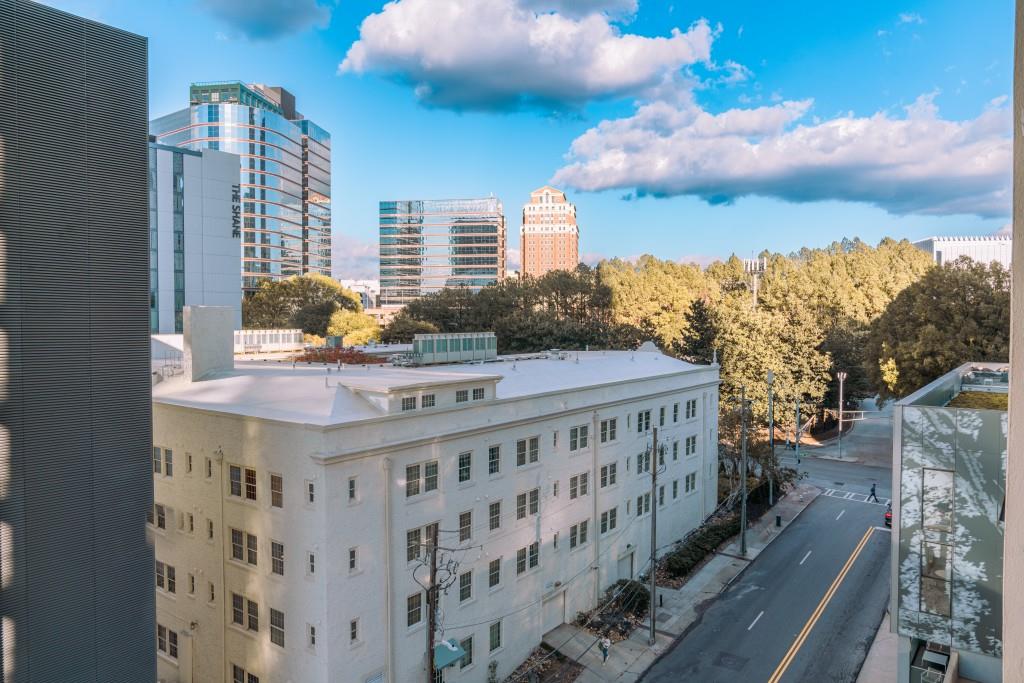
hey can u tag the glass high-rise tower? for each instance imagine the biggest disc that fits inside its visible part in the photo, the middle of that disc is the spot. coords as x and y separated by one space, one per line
284 215
430 244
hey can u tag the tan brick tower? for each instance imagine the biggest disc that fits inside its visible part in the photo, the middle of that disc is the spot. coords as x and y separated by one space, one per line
550 238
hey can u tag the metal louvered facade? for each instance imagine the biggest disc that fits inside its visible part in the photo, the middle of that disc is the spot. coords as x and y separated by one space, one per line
76 568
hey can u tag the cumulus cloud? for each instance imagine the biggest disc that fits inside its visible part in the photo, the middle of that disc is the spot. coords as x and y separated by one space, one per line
581 8
270 19
353 259
513 259
507 54
917 163
910 18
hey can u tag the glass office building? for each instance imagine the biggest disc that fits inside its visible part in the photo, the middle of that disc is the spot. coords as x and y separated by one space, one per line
429 245
285 189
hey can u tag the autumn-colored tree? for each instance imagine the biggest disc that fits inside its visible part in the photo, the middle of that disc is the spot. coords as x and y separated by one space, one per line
302 301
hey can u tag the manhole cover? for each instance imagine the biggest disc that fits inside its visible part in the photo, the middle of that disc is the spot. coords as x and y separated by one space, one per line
731 662
839 483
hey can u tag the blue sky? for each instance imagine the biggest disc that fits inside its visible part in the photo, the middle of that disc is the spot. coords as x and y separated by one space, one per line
754 126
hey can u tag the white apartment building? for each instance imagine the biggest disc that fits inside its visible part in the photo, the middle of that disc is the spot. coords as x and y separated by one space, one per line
293 504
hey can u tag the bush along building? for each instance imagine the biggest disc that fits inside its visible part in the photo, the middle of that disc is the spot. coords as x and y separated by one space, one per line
297 507
949 457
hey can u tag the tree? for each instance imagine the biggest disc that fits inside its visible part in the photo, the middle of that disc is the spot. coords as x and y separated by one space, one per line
362 336
304 301
699 339
955 314
404 327
344 322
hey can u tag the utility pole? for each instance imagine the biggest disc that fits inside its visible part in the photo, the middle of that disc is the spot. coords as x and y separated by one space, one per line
796 430
743 470
431 605
771 438
654 530
842 378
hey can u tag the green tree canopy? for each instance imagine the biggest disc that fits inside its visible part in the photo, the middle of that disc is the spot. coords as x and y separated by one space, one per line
303 301
404 327
953 315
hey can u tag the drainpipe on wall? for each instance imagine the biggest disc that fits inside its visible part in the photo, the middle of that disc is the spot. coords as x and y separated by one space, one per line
388 625
596 483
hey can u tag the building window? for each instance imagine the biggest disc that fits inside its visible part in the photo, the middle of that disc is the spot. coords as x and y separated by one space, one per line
160 516
167 641
608 474
675 450
166 578
351 489
494 460
353 559
495 636
310 492
465 467
675 488
462 395
413 609
243 547
527 451
661 417
643 421
408 403
245 612
554 488
191 584
353 631
578 485
691 444
494 573
465 586
188 463
691 408
239 675
494 515
276 491
277 558
465 525
691 482
578 437
277 627
311 636
608 520
478 394
527 503
608 428
428 401
414 484
209 468
467 646
238 475
675 412
212 591
661 496
311 563
414 540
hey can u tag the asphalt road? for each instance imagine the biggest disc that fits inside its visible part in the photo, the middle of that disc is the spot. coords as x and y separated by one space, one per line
805 610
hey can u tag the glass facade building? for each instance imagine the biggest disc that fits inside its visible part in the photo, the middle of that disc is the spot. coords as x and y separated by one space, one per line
429 245
285 213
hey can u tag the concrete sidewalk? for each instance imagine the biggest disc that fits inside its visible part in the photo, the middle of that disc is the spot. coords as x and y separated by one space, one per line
880 664
629 659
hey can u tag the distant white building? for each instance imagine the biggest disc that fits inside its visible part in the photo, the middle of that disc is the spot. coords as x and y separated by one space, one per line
195 245
368 290
293 505
981 248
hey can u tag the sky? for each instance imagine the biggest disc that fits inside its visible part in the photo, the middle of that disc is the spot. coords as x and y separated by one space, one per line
686 130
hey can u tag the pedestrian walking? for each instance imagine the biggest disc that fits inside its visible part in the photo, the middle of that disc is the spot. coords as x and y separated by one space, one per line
872 494
606 645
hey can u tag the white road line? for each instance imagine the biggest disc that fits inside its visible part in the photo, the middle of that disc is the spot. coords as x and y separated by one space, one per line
841 512
806 556
848 495
755 620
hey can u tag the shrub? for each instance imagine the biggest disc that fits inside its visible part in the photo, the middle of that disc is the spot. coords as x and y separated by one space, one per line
702 542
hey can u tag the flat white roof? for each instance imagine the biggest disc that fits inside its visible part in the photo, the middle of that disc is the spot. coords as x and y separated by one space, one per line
309 394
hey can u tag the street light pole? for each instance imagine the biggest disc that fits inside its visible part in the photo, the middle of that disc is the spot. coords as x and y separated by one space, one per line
771 437
743 470
842 377
796 430
654 528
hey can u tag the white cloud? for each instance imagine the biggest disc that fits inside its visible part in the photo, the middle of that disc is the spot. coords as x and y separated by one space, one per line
910 18
919 163
513 259
353 259
581 8
270 19
1005 231
501 54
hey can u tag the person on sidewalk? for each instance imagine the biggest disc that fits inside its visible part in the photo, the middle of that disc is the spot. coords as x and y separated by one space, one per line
872 494
606 645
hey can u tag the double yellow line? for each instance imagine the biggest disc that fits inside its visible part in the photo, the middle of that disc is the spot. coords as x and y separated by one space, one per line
802 636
